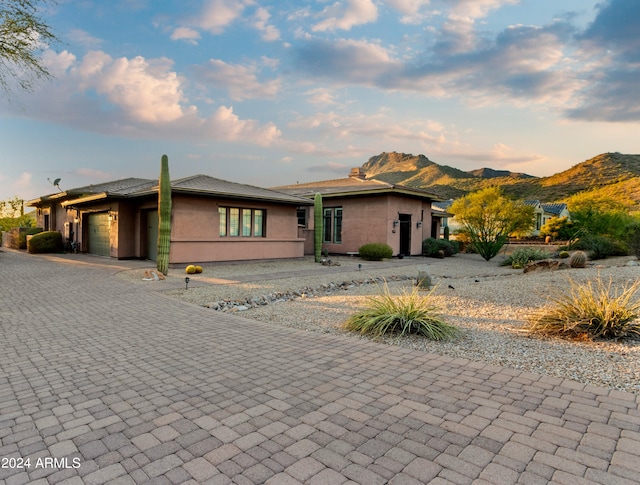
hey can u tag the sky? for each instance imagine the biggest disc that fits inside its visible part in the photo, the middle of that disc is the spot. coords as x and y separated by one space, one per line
274 92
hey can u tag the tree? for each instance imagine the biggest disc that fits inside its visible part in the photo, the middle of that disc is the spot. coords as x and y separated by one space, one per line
599 214
558 228
488 217
23 37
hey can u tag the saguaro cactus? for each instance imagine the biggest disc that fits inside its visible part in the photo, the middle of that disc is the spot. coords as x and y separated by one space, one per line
164 216
317 227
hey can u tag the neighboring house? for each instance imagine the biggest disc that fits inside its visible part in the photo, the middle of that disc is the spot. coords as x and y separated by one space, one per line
441 209
545 212
212 220
357 211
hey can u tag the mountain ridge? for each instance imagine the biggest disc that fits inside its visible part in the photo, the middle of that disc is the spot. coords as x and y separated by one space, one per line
600 173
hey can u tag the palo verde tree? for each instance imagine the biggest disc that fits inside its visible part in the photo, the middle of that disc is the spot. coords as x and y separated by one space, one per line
487 218
164 216
23 38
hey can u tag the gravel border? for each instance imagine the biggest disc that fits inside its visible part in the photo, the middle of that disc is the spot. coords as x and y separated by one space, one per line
489 302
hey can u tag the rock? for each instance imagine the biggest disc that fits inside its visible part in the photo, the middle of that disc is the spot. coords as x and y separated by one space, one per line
545 265
633 263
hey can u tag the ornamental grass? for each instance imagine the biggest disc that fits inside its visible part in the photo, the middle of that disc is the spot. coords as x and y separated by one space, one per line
410 312
592 310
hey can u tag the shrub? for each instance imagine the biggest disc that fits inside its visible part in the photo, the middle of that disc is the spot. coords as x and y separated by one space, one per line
600 247
45 242
375 251
407 313
431 247
591 311
633 238
523 256
22 236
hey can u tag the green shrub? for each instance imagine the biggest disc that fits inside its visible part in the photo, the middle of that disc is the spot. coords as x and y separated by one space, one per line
375 251
633 238
523 256
407 313
600 247
45 242
563 254
22 236
590 311
431 247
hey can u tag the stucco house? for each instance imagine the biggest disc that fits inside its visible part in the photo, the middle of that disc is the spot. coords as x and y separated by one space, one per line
544 212
358 210
212 220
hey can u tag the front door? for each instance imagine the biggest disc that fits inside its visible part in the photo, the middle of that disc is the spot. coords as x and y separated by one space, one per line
152 235
405 234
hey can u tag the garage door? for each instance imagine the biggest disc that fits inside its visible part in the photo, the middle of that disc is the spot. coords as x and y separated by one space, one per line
99 234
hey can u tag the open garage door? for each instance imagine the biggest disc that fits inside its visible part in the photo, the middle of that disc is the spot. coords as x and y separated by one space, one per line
99 234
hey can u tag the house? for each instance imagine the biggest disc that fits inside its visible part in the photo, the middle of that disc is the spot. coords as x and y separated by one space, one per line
358 210
544 212
212 220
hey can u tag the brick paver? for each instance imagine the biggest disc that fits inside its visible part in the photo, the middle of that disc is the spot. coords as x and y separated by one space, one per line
104 381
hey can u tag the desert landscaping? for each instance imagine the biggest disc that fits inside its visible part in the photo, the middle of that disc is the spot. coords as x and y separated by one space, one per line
488 302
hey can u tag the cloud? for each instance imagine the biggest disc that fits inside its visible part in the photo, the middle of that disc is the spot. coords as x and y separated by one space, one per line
345 61
187 34
331 167
611 43
346 14
216 15
137 98
240 81
84 38
261 22
93 174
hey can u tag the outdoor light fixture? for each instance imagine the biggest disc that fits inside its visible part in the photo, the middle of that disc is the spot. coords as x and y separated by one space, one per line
419 224
186 282
396 222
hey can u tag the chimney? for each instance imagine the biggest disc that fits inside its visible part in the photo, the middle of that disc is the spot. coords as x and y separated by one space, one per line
358 173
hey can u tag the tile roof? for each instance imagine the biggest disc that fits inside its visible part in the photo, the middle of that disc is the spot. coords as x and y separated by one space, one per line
205 184
350 186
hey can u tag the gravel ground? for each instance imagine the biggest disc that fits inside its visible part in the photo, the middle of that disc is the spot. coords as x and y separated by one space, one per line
489 302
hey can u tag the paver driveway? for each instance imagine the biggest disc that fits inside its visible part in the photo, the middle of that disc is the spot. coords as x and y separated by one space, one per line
130 387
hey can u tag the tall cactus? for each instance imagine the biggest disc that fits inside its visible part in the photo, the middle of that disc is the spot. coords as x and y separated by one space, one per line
317 227
164 216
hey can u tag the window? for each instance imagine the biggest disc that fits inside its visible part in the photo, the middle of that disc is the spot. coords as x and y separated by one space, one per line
234 222
222 212
302 217
238 222
258 222
246 222
332 225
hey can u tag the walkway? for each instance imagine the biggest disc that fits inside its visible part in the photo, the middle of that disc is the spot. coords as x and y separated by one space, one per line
123 385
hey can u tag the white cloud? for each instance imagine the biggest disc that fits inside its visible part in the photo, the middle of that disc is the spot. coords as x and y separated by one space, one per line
84 38
261 22
23 182
187 34
146 89
241 81
226 125
218 14
321 96
347 14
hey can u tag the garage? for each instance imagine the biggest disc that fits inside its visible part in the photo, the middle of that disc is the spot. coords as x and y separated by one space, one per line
99 234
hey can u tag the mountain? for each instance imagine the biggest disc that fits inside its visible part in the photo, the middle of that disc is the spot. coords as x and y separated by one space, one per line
609 173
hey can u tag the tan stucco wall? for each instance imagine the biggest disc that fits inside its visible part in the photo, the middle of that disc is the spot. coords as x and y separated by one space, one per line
370 219
195 232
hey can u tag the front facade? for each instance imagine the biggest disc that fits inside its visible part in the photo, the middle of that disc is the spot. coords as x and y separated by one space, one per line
357 211
212 220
